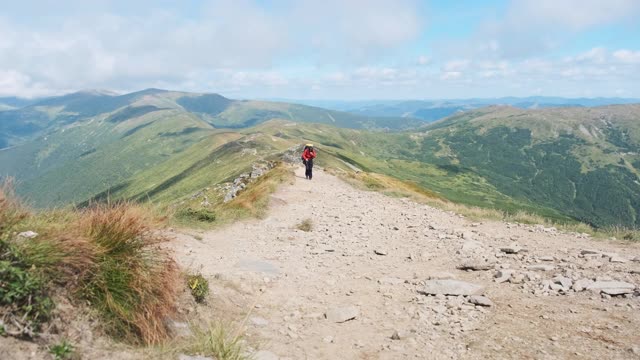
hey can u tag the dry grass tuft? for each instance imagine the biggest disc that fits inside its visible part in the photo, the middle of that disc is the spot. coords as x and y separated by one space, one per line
11 210
133 282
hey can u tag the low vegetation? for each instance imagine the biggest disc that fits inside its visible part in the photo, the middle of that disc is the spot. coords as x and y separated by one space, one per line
305 225
215 340
62 351
251 202
106 255
191 214
199 287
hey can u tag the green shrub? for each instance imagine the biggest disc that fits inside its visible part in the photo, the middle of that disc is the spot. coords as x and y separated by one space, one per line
199 287
22 294
203 215
62 350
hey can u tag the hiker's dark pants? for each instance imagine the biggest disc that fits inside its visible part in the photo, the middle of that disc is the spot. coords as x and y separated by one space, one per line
309 169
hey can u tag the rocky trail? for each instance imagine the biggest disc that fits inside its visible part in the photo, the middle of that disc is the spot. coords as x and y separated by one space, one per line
385 278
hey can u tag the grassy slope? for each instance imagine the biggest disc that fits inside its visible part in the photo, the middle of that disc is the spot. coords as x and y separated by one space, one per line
578 161
93 156
563 163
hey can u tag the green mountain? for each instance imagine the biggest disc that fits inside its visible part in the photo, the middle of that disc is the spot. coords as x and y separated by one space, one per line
563 163
50 114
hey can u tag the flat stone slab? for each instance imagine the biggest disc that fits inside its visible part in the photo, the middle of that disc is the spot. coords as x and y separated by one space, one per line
451 287
612 287
541 267
342 314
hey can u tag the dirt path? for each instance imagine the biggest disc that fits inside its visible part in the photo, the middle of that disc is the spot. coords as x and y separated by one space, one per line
286 280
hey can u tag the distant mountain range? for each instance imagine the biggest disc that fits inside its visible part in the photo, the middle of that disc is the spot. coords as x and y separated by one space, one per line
28 118
431 110
567 163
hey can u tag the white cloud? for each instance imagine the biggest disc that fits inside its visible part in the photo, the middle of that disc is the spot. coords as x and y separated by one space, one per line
98 46
533 27
627 56
573 15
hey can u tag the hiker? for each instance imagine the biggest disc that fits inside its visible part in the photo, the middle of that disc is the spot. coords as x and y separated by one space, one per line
307 159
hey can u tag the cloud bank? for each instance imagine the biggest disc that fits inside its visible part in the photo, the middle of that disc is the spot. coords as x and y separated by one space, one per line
287 48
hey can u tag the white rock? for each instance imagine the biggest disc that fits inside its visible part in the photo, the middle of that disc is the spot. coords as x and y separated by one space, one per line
565 282
503 275
451 287
541 267
28 234
612 287
582 284
617 259
342 314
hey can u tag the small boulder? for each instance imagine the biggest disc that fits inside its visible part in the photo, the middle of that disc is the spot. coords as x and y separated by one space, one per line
342 314
381 252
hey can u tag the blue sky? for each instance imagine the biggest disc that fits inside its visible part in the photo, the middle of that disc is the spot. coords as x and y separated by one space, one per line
331 49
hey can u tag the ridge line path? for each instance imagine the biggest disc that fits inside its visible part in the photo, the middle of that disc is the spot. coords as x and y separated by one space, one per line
369 256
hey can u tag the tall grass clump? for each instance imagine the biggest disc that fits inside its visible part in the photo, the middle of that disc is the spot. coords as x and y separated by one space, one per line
133 283
216 341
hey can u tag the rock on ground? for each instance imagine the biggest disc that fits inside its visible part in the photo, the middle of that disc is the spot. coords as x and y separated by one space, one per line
450 287
342 314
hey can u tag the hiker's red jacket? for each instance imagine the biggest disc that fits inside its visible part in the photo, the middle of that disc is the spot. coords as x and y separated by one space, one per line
308 154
